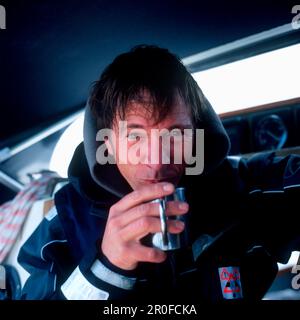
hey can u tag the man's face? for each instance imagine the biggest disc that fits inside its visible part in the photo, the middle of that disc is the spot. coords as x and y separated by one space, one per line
142 139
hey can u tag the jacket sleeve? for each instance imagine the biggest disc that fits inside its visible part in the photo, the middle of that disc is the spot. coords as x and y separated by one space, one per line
273 186
56 275
45 255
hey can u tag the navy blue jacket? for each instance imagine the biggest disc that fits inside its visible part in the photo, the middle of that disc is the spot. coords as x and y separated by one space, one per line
243 219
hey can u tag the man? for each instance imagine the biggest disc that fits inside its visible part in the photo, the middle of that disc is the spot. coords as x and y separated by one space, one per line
92 245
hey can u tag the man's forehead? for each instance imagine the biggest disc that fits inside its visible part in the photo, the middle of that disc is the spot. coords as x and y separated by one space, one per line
144 112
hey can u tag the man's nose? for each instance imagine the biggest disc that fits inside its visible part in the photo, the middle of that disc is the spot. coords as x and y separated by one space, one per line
158 153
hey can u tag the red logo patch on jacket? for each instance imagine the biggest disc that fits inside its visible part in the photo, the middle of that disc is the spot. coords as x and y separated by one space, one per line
230 280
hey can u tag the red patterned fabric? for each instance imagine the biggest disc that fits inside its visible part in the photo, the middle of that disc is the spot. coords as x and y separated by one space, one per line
13 213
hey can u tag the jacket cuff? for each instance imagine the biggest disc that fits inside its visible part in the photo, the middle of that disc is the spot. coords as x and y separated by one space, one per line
97 279
77 287
127 273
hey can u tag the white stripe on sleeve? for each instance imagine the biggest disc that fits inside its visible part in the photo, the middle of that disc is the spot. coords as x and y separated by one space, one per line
111 277
77 287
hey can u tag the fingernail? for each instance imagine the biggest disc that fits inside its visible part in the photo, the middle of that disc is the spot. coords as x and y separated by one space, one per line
168 187
183 206
179 224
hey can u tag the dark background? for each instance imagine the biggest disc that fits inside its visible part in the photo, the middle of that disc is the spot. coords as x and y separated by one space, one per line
52 51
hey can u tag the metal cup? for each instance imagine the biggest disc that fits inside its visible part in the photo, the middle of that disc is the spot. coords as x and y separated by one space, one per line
164 240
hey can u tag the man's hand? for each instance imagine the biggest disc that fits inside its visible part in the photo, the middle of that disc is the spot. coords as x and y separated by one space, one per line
132 218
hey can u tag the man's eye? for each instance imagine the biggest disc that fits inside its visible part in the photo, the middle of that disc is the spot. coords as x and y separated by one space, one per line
176 133
133 136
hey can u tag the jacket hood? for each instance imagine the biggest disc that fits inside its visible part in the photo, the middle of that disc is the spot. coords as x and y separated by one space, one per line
107 176
103 179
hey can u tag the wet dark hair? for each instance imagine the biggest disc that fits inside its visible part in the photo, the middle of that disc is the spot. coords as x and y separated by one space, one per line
144 69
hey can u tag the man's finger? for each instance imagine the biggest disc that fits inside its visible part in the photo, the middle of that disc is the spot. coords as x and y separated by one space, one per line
144 194
173 208
146 254
143 226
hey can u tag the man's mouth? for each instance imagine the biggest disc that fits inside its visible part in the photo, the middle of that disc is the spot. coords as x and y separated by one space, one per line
152 180
164 179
